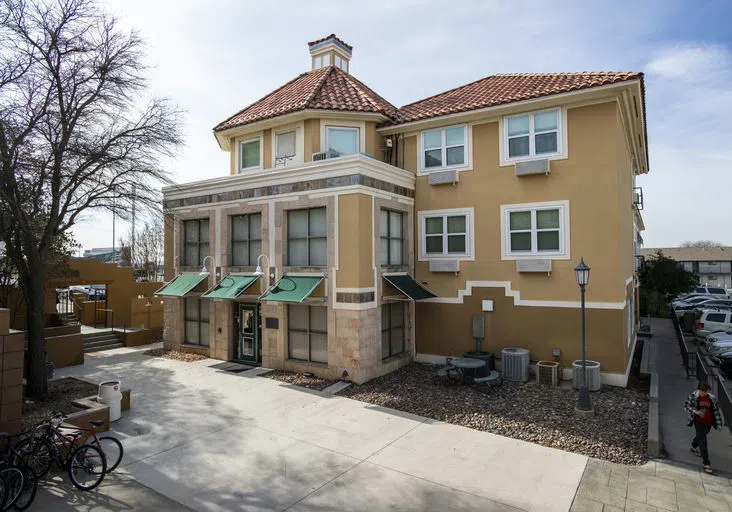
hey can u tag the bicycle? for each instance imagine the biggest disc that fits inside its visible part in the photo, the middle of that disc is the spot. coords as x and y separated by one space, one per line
19 481
110 446
85 464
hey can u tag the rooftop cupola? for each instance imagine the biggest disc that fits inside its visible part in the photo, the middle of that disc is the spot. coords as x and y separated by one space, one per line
330 51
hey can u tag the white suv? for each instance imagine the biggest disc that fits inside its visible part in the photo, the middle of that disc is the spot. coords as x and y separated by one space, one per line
713 320
711 290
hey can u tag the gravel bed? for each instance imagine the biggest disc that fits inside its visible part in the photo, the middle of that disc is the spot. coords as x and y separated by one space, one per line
61 394
174 355
539 414
298 379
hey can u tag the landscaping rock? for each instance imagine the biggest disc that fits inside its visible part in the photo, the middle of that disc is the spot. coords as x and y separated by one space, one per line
299 379
545 415
62 393
174 355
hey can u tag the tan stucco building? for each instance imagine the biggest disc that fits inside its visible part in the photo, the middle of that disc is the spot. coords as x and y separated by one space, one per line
380 231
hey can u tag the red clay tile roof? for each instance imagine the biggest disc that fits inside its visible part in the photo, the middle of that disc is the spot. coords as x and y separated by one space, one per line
327 88
506 88
311 43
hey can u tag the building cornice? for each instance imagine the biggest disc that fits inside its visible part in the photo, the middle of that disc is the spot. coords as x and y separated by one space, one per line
343 171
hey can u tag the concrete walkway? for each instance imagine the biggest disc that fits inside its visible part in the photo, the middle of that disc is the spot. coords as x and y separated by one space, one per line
214 440
673 388
657 486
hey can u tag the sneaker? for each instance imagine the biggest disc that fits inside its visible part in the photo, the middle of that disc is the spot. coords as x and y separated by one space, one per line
708 470
696 451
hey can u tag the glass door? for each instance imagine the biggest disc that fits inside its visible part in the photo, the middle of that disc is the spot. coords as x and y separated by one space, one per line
247 345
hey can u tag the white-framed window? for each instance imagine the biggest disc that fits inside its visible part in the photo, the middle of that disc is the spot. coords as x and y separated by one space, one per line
250 154
446 234
342 140
535 230
532 135
317 62
285 148
341 63
444 148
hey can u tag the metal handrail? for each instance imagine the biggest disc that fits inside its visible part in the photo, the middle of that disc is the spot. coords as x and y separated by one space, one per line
124 325
725 402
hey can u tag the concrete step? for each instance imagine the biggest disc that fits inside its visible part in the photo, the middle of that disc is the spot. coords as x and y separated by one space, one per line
97 343
99 335
106 339
103 347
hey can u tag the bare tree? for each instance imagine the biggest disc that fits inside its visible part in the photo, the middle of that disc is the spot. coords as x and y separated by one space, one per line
701 244
147 253
72 138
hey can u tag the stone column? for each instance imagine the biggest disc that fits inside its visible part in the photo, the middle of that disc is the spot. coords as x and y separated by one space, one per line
11 375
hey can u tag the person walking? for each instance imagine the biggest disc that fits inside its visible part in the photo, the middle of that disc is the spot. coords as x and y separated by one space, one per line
704 414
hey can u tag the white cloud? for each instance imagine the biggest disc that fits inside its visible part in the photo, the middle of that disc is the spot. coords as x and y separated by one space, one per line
691 62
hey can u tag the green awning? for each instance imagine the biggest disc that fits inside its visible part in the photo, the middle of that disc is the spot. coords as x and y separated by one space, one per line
292 288
230 287
182 284
409 287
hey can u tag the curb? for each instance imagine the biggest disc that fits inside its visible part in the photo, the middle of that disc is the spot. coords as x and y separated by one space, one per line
655 444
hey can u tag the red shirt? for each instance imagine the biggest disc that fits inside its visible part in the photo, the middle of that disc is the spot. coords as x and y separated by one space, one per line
705 406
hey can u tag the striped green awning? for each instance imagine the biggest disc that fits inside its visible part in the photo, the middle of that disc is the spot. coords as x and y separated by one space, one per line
292 288
230 287
181 285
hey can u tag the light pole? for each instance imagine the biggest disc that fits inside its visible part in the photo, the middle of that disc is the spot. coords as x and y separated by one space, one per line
584 404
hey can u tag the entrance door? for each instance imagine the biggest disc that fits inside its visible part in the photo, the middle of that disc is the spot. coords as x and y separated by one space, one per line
247 346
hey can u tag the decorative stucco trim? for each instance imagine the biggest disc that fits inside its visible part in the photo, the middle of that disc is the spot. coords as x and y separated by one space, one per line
517 301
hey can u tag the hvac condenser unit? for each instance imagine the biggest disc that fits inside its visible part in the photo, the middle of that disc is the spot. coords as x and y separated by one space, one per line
547 372
515 364
593 375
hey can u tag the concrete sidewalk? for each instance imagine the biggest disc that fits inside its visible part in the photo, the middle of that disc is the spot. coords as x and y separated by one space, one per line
117 492
674 387
214 440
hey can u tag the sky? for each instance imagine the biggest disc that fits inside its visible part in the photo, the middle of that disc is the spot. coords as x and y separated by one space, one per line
214 58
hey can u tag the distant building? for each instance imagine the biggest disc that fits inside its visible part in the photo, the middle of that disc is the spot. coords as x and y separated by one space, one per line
713 265
103 254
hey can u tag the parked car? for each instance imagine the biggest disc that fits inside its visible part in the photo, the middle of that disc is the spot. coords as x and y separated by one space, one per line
711 290
700 302
689 299
718 336
713 320
720 348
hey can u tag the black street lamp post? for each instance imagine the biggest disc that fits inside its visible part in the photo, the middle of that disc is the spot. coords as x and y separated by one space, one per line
584 404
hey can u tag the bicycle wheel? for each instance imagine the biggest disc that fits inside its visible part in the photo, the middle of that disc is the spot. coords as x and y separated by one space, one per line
113 452
87 466
13 479
36 454
28 493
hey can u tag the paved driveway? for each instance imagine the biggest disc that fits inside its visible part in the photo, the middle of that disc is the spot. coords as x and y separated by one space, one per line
213 440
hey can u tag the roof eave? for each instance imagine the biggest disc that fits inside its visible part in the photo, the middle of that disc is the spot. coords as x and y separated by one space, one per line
467 114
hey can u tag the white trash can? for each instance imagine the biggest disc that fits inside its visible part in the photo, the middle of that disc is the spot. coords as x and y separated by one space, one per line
110 394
